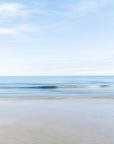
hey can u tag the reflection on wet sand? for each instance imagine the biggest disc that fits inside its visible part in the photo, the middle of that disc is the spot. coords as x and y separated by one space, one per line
82 121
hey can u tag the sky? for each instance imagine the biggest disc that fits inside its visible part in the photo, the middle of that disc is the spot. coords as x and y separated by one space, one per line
56 37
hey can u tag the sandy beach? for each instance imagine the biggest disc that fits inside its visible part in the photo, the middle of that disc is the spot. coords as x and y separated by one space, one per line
84 121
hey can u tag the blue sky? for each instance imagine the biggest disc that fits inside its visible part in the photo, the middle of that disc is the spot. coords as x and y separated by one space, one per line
54 37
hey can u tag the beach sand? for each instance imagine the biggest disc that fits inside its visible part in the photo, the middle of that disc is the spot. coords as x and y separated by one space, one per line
83 121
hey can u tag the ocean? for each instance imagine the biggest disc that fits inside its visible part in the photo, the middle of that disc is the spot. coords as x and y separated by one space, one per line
57 87
57 109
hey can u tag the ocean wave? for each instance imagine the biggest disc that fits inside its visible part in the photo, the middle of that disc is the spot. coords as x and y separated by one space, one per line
86 86
56 87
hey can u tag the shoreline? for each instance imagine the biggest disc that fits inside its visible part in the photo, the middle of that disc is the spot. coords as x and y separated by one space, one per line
24 98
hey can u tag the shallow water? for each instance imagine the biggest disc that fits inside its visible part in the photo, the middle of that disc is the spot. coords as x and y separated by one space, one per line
57 87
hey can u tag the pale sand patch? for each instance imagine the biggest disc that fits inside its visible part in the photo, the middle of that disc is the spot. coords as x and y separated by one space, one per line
57 122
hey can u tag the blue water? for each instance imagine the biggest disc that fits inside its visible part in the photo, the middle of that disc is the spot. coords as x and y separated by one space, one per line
57 86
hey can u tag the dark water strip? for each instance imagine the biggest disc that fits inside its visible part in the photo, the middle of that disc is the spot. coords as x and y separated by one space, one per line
55 87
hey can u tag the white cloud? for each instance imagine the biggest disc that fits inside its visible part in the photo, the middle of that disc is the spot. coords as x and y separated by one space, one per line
11 9
20 29
8 31
88 6
29 28
15 9
8 12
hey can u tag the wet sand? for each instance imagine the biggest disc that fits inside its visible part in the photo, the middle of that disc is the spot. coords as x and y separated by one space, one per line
79 121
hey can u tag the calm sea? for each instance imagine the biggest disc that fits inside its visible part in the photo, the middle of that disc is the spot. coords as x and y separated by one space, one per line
57 86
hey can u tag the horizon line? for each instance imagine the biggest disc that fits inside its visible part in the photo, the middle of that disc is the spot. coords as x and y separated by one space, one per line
47 75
